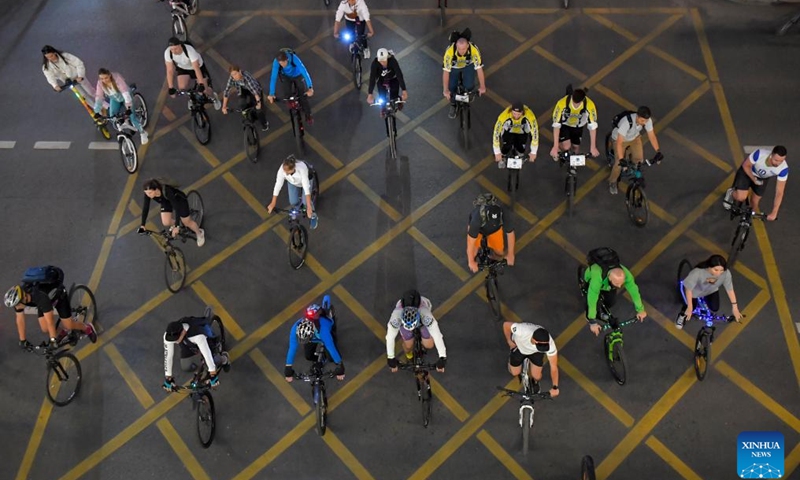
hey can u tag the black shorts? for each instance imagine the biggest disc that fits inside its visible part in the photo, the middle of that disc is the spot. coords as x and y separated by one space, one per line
573 134
515 358
742 182
181 207
203 70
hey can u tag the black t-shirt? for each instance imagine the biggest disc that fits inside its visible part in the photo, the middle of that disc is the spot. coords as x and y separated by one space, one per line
391 72
496 218
169 194
39 299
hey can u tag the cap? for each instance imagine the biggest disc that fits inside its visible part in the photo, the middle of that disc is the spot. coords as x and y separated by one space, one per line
383 54
542 335
174 41
517 107
174 330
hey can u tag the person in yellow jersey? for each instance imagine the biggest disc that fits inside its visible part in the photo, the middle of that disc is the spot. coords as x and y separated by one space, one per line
462 61
570 115
516 128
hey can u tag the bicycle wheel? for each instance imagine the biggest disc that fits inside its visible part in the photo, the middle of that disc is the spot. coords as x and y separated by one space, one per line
218 330
196 209
298 245
327 3
566 3
786 26
615 357
140 109
251 146
84 307
683 270
357 71
105 132
493 295
442 15
392 137
297 128
636 202
201 126
314 179
179 27
194 6
737 244
702 350
321 403
527 417
175 269
63 378
426 398
128 153
206 419
587 468
464 114
569 189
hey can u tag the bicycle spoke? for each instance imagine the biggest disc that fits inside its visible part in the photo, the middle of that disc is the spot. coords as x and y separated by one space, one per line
63 379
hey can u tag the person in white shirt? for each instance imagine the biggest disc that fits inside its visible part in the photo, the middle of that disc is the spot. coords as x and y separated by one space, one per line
533 342
627 134
411 312
192 335
185 62
295 173
356 15
754 173
58 67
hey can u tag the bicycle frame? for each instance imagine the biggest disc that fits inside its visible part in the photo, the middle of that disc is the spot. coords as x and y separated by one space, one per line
486 262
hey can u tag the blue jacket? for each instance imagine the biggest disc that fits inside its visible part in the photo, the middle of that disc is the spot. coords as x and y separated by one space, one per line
294 68
322 336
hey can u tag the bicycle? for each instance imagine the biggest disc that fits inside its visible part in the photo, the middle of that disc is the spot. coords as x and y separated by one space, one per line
572 161
565 3
420 369
199 389
180 11
463 98
296 115
746 216
201 126
298 236
442 14
389 109
63 368
72 86
513 161
527 398
587 468
251 141
356 54
125 130
84 311
705 337
316 377
635 198
783 29
493 268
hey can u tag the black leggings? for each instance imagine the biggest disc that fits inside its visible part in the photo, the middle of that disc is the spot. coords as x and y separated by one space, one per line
300 83
248 99
711 300
519 141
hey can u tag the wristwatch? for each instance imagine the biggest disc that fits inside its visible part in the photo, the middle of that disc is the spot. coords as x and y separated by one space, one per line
554 387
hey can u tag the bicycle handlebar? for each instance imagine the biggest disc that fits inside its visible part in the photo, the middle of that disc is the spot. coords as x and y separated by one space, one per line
752 213
619 324
414 366
308 377
382 103
515 393
492 263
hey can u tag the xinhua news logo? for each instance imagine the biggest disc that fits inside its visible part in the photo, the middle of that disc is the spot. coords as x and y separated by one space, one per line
760 455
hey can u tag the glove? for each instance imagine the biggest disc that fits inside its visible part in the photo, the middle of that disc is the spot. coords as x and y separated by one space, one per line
201 88
659 156
392 362
141 230
25 345
169 385
288 371
214 381
440 364
172 91
339 369
96 116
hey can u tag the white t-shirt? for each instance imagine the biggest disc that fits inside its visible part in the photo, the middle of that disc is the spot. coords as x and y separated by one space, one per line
521 334
349 12
299 178
183 61
763 170
630 132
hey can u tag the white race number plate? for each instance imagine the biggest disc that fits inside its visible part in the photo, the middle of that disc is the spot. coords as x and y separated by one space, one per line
515 163
577 160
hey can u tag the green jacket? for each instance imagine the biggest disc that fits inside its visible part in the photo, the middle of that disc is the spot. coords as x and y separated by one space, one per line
598 283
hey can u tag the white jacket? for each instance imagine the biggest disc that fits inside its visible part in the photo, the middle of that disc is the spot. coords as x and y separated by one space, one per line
69 66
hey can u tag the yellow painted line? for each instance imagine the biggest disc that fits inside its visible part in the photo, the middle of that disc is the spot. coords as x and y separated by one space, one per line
376 327
646 424
635 11
127 373
276 378
685 142
562 242
217 57
346 72
134 208
460 294
791 461
681 107
169 128
460 272
168 114
346 456
322 151
615 97
498 192
221 35
503 456
442 148
358 381
740 267
724 339
574 328
100 266
429 52
291 28
659 212
231 326
35 441
444 397
209 157
705 48
524 47
596 392
515 11
182 450
560 63
311 261
375 198
668 324
758 395
396 29
504 27
672 460
245 195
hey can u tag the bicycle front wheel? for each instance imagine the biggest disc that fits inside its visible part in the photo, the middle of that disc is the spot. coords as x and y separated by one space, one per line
426 397
493 296
84 307
179 27
196 209
218 330
702 352
683 271
636 202
194 6
737 245
615 357
206 419
201 126
129 155
251 146
392 136
527 418
175 269
587 468
321 402
569 189
140 109
298 245
357 74
63 379
314 180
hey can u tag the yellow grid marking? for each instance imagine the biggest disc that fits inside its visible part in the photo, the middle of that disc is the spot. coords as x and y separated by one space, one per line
442 148
229 323
279 381
596 392
504 27
671 459
396 29
373 197
502 456
133 382
182 450
345 455
460 272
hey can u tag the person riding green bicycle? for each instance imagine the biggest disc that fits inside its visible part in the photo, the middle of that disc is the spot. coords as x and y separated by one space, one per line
490 220
533 342
605 276
192 335
703 281
316 327
414 311
41 291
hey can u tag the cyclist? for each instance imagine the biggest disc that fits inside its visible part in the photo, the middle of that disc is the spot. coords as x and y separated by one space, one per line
58 67
703 281
533 342
171 199
604 276
386 68
112 87
41 291
627 134
570 115
489 220
515 128
411 312
295 173
184 61
356 16
460 56
316 327
754 173
250 93
193 335
288 66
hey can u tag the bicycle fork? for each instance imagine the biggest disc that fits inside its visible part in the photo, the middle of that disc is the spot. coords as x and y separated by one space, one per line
612 339
525 406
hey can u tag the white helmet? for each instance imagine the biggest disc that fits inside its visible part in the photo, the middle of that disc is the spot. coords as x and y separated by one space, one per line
383 54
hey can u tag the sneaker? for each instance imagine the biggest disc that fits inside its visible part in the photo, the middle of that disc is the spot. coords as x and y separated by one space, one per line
612 188
452 113
366 52
226 362
91 333
201 238
536 387
265 127
217 103
681 320
309 120
144 138
409 355
314 222
728 200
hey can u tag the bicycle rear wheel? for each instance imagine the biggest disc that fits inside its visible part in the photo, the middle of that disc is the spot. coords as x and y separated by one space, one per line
206 419
357 76
140 109
321 403
392 136
194 6
179 28
104 131
527 418
196 209
63 378
175 269
569 189
636 202
201 126
683 270
298 245
615 357
737 244
218 330
297 128
313 177
426 398
587 468
84 307
251 146
128 153
702 351
493 295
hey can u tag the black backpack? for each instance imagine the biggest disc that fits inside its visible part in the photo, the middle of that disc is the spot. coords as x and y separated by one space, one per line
454 37
290 55
185 52
626 114
606 257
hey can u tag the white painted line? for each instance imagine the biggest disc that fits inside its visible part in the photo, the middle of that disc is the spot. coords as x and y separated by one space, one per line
51 145
7 144
103 146
748 149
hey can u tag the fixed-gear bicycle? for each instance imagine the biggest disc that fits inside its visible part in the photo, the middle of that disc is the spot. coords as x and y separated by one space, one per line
702 312
201 126
296 116
572 161
462 99
746 216
421 370
357 45
63 372
251 141
494 267
527 394
73 87
389 108
180 10
315 377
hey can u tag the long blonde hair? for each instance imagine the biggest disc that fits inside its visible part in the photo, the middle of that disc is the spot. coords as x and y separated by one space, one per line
105 71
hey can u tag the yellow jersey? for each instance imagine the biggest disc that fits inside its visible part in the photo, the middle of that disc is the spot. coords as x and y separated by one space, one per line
565 114
525 124
453 60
